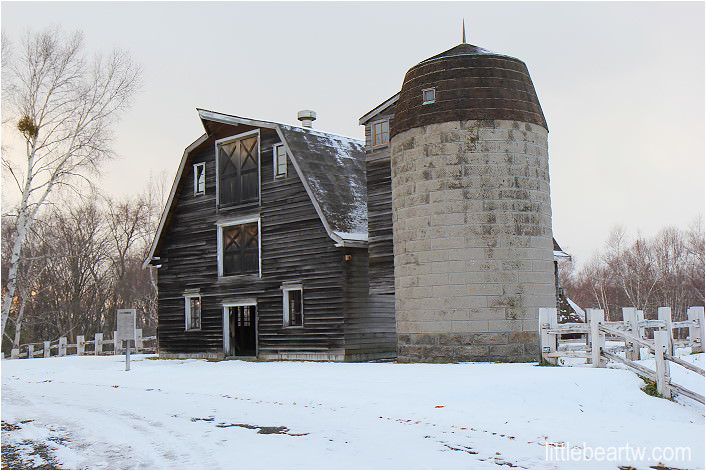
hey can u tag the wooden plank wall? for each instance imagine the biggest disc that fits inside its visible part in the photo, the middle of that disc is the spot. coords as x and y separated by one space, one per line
369 319
295 248
378 173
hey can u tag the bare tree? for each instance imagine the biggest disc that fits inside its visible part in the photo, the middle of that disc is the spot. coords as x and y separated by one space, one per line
64 105
665 270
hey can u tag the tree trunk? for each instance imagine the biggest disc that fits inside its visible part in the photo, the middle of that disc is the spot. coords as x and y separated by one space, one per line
18 324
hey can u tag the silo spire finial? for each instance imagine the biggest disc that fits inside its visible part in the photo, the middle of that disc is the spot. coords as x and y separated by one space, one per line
464 30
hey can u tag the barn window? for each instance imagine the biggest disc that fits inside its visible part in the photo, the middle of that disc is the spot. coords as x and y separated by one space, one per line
279 156
428 96
238 167
239 248
200 179
381 132
293 305
192 311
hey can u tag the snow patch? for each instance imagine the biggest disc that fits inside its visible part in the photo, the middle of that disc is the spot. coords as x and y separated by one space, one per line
196 414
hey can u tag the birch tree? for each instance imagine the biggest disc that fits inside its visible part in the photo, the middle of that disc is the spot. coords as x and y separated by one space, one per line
63 104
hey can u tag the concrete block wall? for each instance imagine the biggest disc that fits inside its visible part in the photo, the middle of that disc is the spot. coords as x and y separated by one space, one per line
472 240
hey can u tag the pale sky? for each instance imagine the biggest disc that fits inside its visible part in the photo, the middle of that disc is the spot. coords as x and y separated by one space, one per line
621 85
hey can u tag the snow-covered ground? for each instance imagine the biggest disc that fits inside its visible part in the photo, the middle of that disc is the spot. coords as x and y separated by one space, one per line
87 412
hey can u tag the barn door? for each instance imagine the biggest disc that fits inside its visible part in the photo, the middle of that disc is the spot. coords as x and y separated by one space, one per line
240 330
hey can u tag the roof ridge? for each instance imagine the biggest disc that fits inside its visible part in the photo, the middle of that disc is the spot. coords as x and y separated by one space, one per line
315 130
277 123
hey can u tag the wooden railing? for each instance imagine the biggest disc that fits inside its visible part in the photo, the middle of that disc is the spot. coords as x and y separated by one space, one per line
98 346
631 337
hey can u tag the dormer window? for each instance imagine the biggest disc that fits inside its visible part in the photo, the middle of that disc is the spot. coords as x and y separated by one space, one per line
428 96
381 132
200 179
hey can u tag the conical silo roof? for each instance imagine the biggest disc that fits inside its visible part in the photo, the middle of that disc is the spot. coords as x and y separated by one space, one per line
470 83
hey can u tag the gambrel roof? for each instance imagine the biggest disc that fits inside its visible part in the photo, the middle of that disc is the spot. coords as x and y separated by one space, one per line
330 166
333 170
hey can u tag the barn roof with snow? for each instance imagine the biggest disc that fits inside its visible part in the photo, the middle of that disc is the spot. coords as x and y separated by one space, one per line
331 167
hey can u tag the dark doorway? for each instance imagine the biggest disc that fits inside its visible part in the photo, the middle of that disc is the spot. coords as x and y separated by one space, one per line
241 323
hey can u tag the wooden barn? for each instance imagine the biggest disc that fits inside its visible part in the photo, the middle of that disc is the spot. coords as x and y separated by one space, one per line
262 247
431 240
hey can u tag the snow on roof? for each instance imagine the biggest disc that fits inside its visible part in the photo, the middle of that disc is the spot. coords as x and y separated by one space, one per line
333 167
576 308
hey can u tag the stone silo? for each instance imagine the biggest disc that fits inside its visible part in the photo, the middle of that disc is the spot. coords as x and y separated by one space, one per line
471 209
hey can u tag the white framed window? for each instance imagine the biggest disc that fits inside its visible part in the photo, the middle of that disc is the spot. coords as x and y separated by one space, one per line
428 96
192 312
200 179
239 245
279 160
293 305
381 132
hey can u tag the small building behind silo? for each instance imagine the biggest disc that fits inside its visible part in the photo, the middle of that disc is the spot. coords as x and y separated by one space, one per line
469 206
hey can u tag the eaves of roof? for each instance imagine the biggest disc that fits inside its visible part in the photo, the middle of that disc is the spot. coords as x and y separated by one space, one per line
374 112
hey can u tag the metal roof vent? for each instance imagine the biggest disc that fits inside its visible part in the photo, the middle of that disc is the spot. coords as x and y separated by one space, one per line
306 117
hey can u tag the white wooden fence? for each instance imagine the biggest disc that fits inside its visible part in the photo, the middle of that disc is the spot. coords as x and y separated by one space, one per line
629 336
97 346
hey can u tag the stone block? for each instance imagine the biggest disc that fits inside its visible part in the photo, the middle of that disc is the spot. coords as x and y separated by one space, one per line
410 351
484 289
532 348
507 325
456 339
447 242
434 279
471 352
436 327
512 350
423 339
488 313
518 313
449 291
471 326
466 302
490 338
486 134
433 256
523 337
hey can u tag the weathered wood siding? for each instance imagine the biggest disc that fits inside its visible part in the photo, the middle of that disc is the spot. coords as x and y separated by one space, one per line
369 319
294 248
380 250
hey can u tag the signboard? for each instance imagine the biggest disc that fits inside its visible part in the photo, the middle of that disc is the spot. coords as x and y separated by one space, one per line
125 330
125 324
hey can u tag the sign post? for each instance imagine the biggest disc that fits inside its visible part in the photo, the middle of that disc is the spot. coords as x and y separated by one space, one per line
125 324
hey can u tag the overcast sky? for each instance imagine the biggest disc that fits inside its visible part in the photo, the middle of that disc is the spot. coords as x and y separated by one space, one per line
621 85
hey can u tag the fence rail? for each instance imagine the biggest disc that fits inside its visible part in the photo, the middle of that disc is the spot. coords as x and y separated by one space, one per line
631 337
98 346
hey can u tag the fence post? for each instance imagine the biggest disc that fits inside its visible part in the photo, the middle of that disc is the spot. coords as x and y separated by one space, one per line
80 345
630 316
596 316
116 343
62 346
47 349
548 320
138 341
98 348
640 332
15 353
661 365
665 314
696 332
30 351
